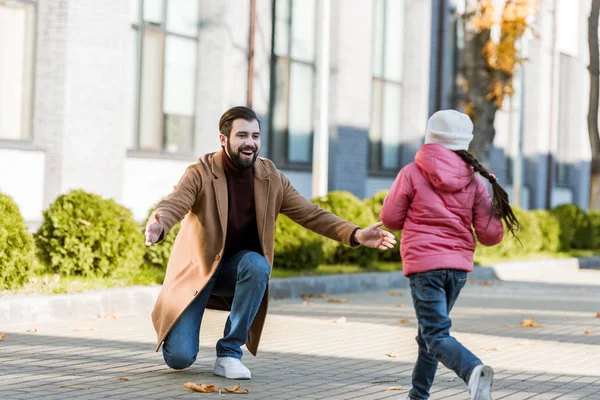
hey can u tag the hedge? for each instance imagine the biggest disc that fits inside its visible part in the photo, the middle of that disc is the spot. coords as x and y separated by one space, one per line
578 232
16 245
296 247
85 234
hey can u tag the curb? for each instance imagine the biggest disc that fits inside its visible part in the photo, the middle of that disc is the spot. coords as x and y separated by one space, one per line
37 309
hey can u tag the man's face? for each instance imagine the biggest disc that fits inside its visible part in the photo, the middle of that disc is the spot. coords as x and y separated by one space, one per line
243 143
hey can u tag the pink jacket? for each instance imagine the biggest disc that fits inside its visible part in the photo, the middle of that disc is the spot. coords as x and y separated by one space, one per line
435 201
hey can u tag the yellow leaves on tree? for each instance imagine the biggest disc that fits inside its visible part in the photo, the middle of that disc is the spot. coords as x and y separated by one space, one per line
501 53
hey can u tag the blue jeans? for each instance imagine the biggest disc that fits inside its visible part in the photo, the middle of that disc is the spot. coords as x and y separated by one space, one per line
434 294
243 277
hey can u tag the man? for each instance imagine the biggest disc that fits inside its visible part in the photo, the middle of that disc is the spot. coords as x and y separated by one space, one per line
222 256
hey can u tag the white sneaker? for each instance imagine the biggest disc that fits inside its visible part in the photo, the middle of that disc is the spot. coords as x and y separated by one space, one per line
231 368
480 383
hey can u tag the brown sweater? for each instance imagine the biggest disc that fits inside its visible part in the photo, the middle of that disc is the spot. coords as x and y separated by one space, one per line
242 230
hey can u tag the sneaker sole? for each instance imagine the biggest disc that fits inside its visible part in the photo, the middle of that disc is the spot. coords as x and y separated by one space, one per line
219 371
484 387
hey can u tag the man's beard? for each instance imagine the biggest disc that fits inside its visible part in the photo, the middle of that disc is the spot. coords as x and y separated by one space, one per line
241 161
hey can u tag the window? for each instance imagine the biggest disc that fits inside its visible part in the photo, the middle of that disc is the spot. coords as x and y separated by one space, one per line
17 41
292 81
386 102
164 42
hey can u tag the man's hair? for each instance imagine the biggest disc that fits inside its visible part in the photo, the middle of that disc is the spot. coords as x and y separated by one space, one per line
226 121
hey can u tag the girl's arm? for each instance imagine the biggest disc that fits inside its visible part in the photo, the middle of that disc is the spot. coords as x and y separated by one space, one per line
397 202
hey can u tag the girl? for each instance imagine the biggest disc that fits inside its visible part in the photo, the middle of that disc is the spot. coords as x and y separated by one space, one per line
435 201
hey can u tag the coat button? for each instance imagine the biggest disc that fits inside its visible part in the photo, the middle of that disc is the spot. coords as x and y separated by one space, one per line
218 257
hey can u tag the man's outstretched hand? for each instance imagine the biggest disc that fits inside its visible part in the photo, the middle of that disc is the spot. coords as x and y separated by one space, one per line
154 228
375 238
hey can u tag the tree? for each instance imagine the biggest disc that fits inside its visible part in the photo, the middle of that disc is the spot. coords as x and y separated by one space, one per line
592 118
487 66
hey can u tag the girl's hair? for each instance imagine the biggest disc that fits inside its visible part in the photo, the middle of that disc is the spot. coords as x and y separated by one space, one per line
500 204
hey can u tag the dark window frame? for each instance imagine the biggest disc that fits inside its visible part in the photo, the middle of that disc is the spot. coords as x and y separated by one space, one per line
139 27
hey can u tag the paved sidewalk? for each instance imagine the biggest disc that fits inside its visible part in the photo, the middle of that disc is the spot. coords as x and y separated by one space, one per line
304 355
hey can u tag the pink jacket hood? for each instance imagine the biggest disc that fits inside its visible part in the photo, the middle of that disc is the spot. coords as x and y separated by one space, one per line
443 168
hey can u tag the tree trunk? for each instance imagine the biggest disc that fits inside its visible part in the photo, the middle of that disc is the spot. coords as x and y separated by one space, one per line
475 72
594 70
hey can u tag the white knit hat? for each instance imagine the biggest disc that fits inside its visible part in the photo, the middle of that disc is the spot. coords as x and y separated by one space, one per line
451 129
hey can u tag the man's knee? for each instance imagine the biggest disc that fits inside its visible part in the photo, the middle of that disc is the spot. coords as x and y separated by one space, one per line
256 266
179 360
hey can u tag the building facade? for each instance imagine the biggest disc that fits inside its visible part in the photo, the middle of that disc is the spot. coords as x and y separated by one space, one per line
118 97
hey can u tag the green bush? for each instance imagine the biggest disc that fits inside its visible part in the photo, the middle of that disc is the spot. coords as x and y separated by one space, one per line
347 206
550 228
157 255
375 203
595 221
16 245
84 234
296 247
529 238
577 227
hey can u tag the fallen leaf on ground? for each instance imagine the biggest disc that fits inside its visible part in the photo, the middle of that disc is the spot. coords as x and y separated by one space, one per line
528 323
510 326
395 293
236 390
404 321
587 331
392 354
598 315
202 388
313 296
2 337
34 330
74 387
486 283
472 281
84 329
277 298
388 381
336 300
395 388
493 349
339 320
400 305
123 379
112 316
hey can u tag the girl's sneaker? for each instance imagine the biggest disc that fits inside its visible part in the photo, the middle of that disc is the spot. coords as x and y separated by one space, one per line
480 383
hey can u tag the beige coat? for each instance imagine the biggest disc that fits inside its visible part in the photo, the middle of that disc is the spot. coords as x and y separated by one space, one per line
201 197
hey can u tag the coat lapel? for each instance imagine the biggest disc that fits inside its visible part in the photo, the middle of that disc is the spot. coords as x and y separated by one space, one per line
262 188
220 185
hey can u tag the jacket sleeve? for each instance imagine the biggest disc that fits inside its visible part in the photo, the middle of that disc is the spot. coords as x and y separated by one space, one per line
489 231
311 216
176 205
397 202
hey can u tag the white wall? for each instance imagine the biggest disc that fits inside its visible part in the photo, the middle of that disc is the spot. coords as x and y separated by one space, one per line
149 180
22 178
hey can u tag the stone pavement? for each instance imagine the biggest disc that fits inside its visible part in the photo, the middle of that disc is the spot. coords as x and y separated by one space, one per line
304 355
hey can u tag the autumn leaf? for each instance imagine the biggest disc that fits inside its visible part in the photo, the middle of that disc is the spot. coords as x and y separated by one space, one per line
486 283
510 326
395 293
392 354
312 296
74 387
598 315
2 337
335 300
400 305
123 379
493 349
528 323
202 388
395 388
236 390
404 321
587 331
34 330
112 316
277 298
339 320
388 381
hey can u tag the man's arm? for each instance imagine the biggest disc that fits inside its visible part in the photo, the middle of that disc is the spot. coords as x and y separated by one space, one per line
312 216
175 206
